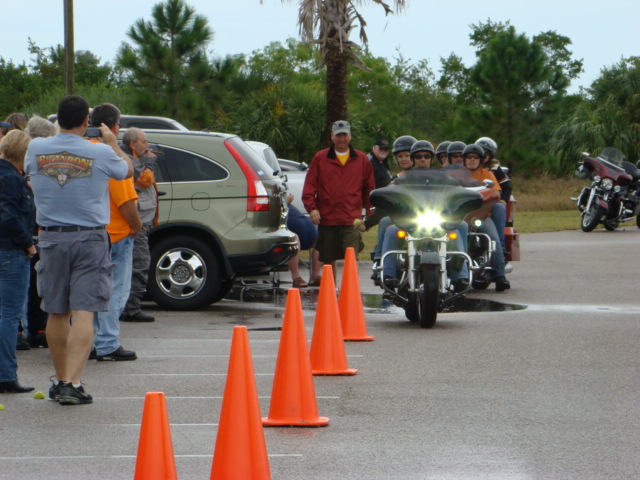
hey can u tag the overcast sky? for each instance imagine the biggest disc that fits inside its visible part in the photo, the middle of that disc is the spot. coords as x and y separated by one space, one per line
602 32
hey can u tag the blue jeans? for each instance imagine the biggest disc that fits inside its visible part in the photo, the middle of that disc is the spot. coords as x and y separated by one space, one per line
382 228
107 324
391 242
499 215
497 259
14 283
460 244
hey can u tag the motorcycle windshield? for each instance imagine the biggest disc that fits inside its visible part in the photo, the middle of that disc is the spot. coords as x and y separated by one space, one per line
405 203
612 163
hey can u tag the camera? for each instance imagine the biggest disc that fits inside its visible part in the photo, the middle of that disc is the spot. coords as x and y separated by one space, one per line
93 132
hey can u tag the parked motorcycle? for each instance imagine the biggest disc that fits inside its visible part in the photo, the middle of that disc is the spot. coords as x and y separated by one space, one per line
428 214
613 196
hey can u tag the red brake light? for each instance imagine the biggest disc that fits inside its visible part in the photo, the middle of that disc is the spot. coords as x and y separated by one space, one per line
257 196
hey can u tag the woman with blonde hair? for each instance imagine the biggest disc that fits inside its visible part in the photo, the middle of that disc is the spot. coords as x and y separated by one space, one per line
17 223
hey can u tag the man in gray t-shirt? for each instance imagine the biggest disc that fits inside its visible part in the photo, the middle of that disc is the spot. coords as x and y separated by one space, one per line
70 178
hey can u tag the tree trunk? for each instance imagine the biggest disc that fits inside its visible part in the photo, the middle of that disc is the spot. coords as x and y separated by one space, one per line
336 88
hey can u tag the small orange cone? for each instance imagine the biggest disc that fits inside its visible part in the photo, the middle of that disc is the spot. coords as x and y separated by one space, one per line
350 302
240 450
293 397
328 355
155 451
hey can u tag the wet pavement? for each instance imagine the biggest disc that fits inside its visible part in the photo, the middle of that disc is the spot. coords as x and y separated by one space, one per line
492 391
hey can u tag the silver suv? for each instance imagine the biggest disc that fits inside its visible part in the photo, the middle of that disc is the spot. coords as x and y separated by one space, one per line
221 215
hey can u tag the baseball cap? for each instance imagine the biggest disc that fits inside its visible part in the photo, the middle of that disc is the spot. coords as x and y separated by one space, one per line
341 126
381 142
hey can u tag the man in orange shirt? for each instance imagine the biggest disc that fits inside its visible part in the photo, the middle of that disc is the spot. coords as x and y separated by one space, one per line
123 226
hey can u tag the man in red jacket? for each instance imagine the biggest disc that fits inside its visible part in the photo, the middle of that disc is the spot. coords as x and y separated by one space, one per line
336 189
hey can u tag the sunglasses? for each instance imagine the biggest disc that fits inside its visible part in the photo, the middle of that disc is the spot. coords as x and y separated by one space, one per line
420 156
384 149
473 156
456 155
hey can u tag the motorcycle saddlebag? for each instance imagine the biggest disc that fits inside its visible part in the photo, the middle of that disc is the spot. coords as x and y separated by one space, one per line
512 242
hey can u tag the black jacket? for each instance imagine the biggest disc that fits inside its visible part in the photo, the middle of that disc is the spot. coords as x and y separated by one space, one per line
17 209
381 173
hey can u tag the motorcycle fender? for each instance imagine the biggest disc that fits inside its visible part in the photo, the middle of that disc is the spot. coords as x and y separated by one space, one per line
430 259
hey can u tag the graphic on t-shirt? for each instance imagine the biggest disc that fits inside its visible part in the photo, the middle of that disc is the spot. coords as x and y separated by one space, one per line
64 166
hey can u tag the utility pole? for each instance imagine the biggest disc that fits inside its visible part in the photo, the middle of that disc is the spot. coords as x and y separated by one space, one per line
69 59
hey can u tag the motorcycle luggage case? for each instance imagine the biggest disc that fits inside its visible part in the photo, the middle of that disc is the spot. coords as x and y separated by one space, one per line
512 242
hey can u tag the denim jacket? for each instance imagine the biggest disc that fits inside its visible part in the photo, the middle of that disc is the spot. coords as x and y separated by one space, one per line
17 208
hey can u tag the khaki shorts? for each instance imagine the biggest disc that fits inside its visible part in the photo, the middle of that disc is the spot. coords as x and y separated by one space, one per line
333 241
74 271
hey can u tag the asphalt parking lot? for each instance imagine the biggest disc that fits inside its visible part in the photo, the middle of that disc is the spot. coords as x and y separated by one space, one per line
546 391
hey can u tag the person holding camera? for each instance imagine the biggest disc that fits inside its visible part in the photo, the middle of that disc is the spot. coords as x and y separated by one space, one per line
124 225
70 180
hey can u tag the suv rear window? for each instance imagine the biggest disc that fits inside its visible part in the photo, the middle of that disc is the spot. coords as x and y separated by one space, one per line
183 166
252 157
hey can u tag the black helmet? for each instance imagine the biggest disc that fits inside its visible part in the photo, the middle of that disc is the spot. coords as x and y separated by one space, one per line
422 146
442 147
473 148
403 144
455 147
488 144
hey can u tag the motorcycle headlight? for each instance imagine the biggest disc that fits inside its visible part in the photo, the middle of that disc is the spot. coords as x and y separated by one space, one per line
607 183
429 220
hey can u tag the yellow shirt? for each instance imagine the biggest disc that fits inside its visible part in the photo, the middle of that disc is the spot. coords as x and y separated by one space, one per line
343 157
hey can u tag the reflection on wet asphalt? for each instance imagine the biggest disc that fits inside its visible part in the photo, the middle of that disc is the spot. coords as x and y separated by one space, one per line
372 303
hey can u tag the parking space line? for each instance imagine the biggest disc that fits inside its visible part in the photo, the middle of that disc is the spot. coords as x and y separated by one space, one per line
86 457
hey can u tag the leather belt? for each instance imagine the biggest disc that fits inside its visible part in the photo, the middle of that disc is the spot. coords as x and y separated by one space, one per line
71 228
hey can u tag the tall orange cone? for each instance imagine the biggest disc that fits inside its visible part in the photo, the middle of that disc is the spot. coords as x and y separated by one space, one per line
328 354
155 451
293 397
240 450
350 302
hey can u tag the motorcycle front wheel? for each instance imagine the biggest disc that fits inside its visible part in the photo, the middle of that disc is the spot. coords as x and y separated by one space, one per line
412 310
591 217
429 297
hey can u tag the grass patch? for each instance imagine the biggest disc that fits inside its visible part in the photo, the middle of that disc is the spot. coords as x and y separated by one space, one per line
544 193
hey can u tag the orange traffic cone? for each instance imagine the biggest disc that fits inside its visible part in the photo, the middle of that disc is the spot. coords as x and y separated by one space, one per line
350 302
240 450
328 355
155 451
293 397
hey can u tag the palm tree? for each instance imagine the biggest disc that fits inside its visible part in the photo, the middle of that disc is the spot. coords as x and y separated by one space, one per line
168 66
328 24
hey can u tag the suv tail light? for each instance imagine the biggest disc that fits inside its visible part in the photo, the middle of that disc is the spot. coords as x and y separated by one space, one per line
257 196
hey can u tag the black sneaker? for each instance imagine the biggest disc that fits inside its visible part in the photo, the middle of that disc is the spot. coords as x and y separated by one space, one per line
391 282
120 355
460 285
137 317
70 395
502 284
54 390
23 342
93 354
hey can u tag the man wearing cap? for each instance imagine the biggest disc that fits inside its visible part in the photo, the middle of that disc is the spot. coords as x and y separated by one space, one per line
336 189
378 158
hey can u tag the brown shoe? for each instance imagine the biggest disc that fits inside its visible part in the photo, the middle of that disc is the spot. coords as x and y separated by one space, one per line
315 282
299 282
